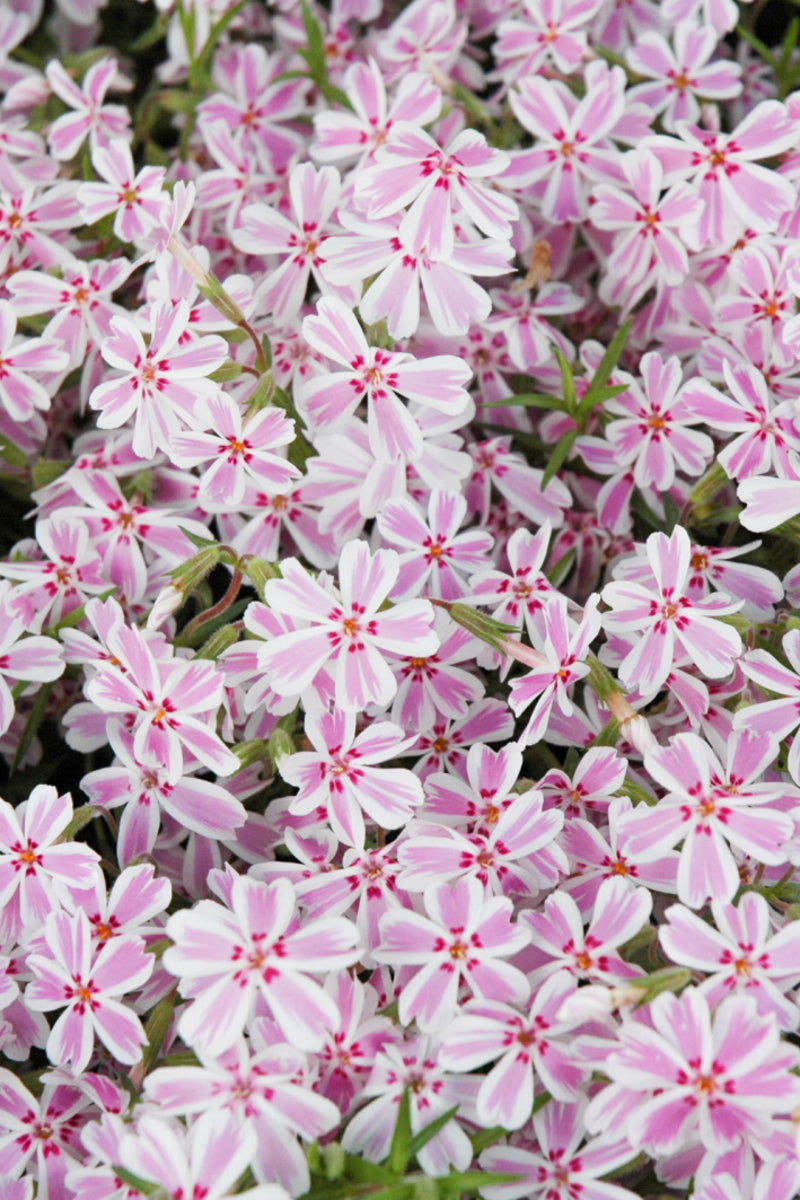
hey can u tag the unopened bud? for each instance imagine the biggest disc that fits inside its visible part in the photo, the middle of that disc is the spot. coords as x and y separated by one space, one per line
168 601
281 745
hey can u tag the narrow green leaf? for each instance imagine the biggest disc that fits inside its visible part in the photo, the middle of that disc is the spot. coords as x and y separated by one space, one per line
559 456
486 1137
198 541
203 60
561 569
567 380
12 453
31 727
529 400
400 1149
473 1181
145 1186
612 355
157 1027
430 1131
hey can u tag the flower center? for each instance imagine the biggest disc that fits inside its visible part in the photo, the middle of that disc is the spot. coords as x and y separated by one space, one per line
699 562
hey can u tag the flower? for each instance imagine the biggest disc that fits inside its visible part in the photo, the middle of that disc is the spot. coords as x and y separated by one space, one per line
227 957
692 1075
87 983
464 938
164 386
350 628
668 619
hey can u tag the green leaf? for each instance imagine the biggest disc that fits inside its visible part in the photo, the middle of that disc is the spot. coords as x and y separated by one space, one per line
529 400
611 357
400 1149
560 454
567 380
45 470
31 727
157 1028
196 540
217 29
486 1137
473 1181
430 1131
140 1185
12 453
561 569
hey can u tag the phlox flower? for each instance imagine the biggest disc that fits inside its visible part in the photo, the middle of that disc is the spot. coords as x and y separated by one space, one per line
526 1047
682 74
120 527
20 358
778 717
401 266
560 647
740 955
572 149
652 231
559 941
464 939
768 439
137 896
67 575
90 116
446 745
590 787
710 808
40 1136
652 435
669 619
135 199
434 557
255 102
432 1090
519 596
238 452
80 301
35 867
347 1058
737 193
264 1089
424 35
342 136
205 1161
300 243
692 1075
29 219
760 281
349 628
87 982
366 882
146 792
340 777
433 686
565 1166
477 800
598 854
164 386
228 958
503 860
522 317
380 377
552 30
437 186
712 567
497 465
169 703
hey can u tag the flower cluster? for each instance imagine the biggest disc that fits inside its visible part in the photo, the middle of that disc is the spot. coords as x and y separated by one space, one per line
399 721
